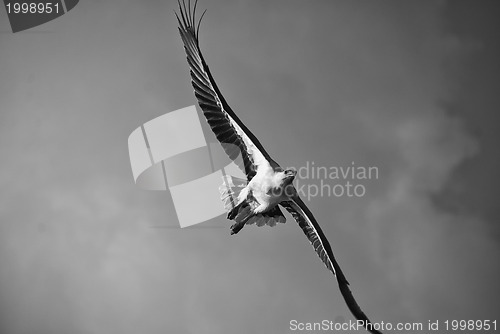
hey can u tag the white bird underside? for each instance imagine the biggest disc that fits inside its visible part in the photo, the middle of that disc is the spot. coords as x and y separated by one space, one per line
257 199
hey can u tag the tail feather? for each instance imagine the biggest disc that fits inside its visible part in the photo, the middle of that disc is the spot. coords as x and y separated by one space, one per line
241 212
244 214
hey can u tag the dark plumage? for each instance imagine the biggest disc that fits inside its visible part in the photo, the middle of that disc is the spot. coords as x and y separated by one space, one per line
254 199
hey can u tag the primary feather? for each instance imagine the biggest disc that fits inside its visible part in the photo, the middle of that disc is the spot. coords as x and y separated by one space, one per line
256 199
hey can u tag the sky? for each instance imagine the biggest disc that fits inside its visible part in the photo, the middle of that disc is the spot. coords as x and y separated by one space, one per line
408 87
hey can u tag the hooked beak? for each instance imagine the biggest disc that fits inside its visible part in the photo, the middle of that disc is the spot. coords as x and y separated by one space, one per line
290 174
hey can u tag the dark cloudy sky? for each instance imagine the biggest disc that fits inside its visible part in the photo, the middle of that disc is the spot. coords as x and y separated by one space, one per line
409 87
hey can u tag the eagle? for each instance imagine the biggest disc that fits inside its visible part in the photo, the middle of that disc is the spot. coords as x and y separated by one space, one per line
267 186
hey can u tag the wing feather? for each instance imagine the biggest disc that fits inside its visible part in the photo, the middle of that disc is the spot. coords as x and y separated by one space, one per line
226 126
301 213
229 129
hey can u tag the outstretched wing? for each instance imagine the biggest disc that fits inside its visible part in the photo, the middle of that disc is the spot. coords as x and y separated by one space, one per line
234 136
310 226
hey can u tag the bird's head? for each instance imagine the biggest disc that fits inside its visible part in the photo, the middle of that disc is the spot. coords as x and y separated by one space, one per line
287 187
289 175
283 184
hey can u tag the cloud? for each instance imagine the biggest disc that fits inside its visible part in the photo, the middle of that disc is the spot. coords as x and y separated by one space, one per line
335 83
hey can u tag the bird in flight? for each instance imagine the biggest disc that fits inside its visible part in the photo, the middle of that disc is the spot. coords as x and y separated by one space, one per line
268 186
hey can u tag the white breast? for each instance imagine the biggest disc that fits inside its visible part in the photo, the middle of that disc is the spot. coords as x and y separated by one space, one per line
261 186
